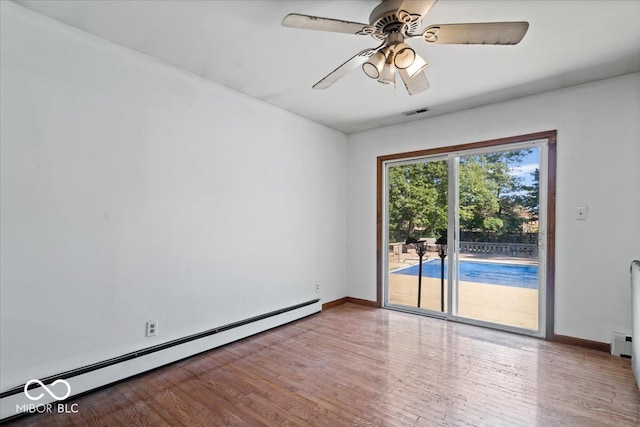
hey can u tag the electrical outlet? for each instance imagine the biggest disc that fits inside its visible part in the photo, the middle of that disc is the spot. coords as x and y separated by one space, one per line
152 328
317 287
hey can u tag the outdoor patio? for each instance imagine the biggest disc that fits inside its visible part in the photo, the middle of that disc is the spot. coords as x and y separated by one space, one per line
507 305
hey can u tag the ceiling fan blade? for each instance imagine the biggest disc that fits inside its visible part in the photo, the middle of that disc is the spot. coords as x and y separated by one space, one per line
342 70
501 33
415 84
308 22
417 7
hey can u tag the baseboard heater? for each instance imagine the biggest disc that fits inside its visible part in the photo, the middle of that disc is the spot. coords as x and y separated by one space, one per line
14 402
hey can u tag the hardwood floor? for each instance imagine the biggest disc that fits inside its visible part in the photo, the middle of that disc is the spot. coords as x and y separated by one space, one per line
353 365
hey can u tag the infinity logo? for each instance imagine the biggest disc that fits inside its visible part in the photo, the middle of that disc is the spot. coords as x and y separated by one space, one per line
47 389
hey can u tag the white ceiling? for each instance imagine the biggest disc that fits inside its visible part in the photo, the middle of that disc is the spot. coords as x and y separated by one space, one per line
242 45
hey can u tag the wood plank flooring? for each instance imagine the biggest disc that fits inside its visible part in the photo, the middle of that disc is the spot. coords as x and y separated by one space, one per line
353 365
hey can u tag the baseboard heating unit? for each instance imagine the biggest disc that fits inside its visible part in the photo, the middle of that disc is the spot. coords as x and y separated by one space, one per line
19 400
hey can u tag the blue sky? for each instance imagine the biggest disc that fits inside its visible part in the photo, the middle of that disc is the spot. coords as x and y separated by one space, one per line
529 164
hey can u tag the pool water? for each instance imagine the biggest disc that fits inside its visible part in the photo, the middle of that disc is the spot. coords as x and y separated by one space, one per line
518 275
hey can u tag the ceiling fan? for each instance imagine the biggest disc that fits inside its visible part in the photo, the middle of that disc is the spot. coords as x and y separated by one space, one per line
393 22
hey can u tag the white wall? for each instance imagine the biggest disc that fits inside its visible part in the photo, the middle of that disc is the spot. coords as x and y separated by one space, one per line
598 156
131 190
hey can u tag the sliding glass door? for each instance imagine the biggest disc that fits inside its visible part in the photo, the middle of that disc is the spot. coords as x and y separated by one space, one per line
465 232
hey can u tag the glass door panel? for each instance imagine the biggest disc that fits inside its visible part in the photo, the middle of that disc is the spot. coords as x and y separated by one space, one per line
417 215
497 253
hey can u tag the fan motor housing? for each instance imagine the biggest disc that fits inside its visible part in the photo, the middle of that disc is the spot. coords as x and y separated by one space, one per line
387 17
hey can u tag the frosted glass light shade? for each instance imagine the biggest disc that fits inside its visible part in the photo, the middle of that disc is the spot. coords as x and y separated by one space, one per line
404 56
388 75
373 66
417 66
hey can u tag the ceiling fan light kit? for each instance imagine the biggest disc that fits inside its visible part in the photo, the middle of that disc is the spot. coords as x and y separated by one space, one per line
395 21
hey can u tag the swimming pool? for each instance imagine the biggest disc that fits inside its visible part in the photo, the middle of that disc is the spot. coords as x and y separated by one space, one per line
519 275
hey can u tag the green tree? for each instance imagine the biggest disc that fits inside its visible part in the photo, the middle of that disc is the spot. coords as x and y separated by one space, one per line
492 198
417 200
531 198
488 192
